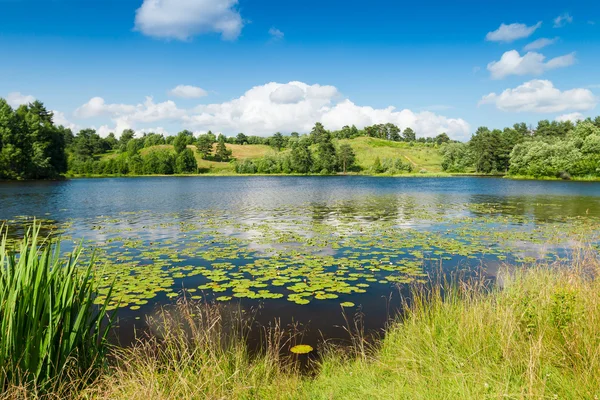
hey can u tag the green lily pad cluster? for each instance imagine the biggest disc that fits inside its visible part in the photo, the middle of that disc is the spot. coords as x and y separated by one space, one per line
311 253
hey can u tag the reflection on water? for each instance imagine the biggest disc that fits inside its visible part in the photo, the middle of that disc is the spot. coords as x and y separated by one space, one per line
297 247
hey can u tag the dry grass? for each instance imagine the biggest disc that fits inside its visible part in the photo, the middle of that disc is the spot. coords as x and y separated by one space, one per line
536 337
419 155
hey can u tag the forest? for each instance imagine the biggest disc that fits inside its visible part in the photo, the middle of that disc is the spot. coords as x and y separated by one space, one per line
32 146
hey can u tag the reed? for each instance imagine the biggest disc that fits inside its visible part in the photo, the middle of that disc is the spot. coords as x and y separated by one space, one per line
49 325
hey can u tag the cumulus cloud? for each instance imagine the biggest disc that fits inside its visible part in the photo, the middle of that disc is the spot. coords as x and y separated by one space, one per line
509 33
184 19
188 92
60 119
512 63
287 94
96 107
562 20
276 34
127 116
105 130
296 106
273 107
15 99
573 117
540 44
541 96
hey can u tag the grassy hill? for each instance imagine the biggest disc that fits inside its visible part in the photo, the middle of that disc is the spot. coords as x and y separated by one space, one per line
422 157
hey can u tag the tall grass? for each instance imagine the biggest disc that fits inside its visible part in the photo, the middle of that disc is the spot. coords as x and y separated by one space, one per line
49 325
199 351
536 335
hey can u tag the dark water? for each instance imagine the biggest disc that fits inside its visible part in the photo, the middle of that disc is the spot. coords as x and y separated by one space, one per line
158 230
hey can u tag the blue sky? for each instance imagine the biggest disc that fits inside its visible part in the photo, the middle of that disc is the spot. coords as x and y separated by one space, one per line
261 66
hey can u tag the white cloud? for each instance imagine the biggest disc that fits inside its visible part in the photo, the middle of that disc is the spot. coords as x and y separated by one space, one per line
15 99
287 94
130 116
425 123
509 33
96 107
573 117
188 92
511 63
274 107
104 130
183 19
540 44
276 34
562 20
60 119
266 109
541 96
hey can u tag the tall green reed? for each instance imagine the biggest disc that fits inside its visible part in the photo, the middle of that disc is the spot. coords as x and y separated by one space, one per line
49 325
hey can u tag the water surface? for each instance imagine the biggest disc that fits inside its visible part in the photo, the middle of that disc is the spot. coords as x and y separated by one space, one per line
298 248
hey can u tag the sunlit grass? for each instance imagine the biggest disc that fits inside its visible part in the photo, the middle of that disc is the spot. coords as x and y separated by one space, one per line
49 325
536 334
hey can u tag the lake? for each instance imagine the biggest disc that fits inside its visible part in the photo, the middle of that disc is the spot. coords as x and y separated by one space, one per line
301 249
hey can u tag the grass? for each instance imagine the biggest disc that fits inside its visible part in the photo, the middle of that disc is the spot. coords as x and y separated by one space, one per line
199 352
422 157
49 325
535 335
539 337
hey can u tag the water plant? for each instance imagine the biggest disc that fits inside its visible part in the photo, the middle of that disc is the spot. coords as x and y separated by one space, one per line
49 325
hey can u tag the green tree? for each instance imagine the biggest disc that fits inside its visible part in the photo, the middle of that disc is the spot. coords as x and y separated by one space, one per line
409 135
393 132
204 144
86 144
134 146
442 138
158 161
301 157
180 143
325 157
222 153
317 132
277 141
346 157
241 138
126 136
456 157
111 141
377 168
186 162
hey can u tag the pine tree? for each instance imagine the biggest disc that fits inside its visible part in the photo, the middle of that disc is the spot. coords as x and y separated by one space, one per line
222 153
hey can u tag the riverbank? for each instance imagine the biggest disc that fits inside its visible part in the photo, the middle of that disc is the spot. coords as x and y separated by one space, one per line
536 336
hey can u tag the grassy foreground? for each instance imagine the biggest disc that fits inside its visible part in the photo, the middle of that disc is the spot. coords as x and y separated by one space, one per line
536 337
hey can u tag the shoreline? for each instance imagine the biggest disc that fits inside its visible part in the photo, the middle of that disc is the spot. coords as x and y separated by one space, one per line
351 174
412 175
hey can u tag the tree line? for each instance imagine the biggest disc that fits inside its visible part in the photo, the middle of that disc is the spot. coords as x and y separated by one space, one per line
561 149
33 147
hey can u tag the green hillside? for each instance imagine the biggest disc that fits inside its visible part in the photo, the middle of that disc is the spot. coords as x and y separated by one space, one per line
420 155
423 157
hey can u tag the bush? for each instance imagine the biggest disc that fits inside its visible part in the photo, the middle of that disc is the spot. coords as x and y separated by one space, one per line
245 167
186 162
